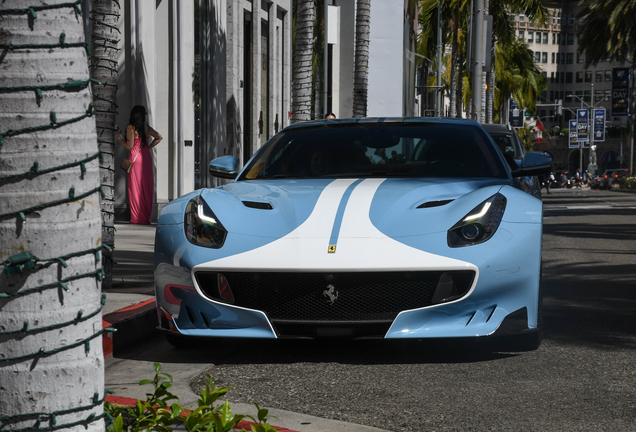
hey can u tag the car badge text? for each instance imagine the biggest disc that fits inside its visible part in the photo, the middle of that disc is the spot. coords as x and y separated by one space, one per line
331 249
331 293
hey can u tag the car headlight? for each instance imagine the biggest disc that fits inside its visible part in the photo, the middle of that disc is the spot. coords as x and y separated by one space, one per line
202 227
478 225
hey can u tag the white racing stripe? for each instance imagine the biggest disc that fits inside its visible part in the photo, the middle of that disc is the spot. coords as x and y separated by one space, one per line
361 246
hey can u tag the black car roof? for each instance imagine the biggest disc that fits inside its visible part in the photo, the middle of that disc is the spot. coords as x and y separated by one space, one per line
371 120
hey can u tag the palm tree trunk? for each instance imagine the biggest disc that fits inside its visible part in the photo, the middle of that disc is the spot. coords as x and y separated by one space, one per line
104 40
361 60
460 84
51 360
453 71
303 51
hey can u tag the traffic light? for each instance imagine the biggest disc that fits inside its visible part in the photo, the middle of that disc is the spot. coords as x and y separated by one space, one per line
560 107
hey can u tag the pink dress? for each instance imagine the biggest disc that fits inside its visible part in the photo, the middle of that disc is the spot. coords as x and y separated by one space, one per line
141 185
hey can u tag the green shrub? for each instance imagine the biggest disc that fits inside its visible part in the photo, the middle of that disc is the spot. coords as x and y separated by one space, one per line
155 414
627 182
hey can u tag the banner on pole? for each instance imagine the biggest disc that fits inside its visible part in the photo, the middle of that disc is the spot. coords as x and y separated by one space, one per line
620 92
598 130
515 115
583 127
574 134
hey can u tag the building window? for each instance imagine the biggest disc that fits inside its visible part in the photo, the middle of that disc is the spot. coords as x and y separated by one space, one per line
598 95
570 39
552 57
530 36
554 38
579 77
522 17
599 76
587 96
571 19
561 95
568 96
579 96
544 58
570 58
608 94
551 95
568 77
588 76
579 57
521 35
552 73
562 58
537 56
562 80
538 39
559 18
545 37
562 38
608 75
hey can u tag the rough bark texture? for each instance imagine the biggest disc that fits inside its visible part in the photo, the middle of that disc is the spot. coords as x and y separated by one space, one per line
361 60
104 40
303 51
460 85
55 364
453 71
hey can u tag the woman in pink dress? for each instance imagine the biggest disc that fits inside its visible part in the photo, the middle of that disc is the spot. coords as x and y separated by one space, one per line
141 184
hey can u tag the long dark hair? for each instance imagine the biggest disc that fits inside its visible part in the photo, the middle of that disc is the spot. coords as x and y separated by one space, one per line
138 121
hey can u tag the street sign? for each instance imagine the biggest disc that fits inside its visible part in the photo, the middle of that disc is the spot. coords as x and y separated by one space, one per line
515 115
574 133
583 127
599 125
620 92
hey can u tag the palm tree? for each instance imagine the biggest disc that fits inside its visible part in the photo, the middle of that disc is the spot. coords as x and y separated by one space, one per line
517 75
361 60
104 40
303 60
608 31
51 363
504 33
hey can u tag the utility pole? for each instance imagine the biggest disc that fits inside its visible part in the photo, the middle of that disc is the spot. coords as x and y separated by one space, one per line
478 64
439 60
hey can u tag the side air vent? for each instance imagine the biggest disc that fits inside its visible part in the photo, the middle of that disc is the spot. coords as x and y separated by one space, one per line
258 205
434 204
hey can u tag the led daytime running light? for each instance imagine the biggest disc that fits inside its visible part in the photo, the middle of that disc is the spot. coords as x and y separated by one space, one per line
203 217
483 211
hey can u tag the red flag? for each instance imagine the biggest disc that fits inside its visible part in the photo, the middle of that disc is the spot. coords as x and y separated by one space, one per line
540 125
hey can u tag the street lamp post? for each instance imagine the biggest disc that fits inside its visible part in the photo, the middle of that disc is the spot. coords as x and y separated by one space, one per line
590 107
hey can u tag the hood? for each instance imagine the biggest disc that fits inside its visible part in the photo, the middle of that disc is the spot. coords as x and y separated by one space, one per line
395 207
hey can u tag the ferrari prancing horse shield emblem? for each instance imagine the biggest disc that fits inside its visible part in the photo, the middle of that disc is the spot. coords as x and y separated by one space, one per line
331 249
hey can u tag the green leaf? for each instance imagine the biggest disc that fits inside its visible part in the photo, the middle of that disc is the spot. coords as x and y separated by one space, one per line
157 367
176 409
226 413
145 381
118 425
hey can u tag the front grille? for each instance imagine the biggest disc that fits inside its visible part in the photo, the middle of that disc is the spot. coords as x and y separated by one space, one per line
305 297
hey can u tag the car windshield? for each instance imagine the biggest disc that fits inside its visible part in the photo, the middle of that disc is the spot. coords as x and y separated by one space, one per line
378 150
506 143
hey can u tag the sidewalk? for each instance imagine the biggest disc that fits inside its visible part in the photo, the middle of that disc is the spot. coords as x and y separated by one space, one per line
130 308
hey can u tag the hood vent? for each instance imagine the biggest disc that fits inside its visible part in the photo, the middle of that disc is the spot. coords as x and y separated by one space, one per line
258 205
434 204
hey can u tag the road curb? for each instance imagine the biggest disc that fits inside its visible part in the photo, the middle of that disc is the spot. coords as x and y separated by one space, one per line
131 324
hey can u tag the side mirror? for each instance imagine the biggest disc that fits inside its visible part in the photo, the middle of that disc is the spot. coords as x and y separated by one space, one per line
534 163
224 167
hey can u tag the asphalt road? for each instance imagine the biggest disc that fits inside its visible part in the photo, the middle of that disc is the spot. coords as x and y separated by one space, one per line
582 378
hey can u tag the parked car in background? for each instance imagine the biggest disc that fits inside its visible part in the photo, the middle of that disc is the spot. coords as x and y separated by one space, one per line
510 145
607 179
595 182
